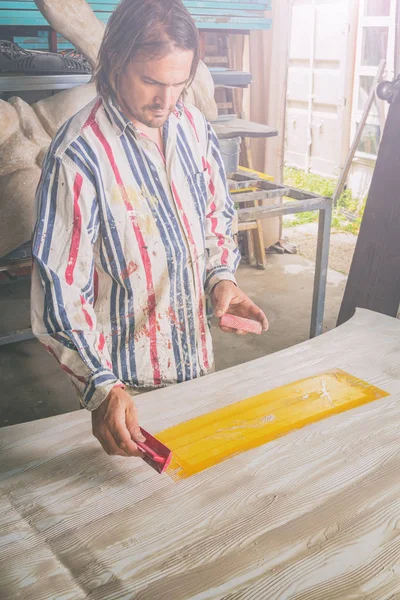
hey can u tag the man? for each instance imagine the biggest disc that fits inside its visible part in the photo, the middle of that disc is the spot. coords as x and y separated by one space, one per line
134 226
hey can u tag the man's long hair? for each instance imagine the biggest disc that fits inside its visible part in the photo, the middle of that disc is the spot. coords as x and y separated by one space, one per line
150 28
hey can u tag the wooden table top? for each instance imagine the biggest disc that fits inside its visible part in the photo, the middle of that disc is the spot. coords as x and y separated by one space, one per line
314 515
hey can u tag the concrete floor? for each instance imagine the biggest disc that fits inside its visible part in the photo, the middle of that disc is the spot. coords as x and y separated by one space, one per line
34 387
341 250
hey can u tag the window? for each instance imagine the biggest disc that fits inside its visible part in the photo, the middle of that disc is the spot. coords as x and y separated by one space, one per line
377 8
369 143
374 45
365 84
375 42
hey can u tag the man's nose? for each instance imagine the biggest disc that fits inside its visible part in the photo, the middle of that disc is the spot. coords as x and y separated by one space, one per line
164 97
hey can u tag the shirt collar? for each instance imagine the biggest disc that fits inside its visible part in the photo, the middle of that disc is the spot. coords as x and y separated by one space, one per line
120 122
178 110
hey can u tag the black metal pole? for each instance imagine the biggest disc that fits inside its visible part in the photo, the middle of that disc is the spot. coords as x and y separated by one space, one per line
374 278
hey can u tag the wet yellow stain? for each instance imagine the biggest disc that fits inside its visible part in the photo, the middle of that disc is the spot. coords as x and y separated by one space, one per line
116 195
140 210
119 194
210 439
146 223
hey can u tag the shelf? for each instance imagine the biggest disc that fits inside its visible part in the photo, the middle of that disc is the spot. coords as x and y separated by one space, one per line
229 78
14 82
228 128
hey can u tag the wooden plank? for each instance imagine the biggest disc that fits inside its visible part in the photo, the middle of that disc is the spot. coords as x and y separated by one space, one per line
34 18
110 5
374 280
15 18
248 226
260 6
194 7
289 519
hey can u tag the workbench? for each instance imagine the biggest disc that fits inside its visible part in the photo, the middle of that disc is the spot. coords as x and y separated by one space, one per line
313 515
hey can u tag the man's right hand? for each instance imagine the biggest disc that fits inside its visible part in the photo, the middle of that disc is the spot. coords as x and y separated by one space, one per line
115 424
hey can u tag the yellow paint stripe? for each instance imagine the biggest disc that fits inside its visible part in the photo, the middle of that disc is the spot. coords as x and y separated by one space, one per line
242 190
209 439
258 173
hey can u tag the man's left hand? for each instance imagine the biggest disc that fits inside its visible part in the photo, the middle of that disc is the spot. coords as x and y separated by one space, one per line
226 297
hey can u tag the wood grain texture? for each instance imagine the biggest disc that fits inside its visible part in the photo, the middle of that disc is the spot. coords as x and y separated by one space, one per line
313 515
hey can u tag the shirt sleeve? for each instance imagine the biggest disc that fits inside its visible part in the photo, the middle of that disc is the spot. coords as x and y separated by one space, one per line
63 280
222 252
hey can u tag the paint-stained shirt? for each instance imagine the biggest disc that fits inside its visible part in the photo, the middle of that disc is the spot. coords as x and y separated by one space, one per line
129 241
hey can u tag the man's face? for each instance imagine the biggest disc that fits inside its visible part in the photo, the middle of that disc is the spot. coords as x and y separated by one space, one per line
148 90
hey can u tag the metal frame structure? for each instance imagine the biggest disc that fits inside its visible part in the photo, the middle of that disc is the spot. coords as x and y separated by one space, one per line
300 202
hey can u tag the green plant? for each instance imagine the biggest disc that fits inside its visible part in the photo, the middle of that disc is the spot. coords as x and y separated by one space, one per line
316 184
324 186
300 219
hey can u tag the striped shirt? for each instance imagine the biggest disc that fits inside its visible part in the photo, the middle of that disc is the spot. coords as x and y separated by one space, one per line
128 244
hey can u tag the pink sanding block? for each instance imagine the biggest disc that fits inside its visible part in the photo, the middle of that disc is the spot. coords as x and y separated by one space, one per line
241 324
156 454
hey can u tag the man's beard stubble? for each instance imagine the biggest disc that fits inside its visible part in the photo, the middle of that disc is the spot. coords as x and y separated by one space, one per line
140 115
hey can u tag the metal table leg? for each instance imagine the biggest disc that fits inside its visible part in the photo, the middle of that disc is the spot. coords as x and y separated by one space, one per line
305 202
321 270
16 336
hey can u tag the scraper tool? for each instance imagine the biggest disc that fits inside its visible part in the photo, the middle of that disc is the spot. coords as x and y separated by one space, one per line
156 454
